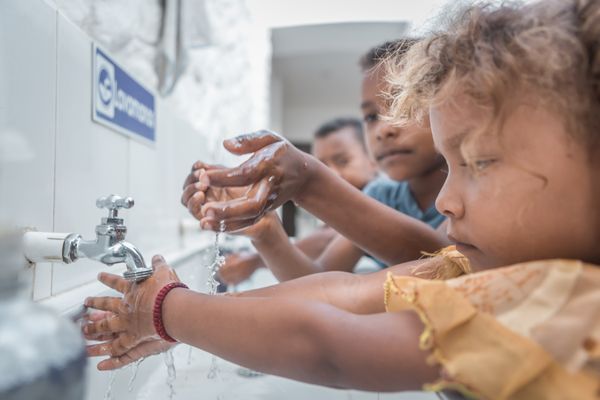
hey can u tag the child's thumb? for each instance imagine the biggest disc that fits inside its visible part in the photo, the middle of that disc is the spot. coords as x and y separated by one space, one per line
251 142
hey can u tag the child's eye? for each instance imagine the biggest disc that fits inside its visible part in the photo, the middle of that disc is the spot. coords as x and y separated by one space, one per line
479 165
370 117
482 164
342 162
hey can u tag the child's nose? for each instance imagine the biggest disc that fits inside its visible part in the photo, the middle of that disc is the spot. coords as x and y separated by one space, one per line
449 203
386 132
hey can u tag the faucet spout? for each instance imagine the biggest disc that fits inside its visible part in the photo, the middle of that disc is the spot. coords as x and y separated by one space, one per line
137 270
75 248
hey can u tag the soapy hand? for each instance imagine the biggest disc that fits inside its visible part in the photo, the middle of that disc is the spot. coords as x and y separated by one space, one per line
196 192
127 322
276 173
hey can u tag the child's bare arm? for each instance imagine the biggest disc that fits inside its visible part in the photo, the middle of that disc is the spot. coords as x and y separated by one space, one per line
315 243
359 294
300 339
240 266
307 341
287 261
278 172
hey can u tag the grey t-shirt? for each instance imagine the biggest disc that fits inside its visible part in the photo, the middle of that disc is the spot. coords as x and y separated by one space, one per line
398 196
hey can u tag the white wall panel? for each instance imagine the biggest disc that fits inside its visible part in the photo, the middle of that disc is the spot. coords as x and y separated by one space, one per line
27 128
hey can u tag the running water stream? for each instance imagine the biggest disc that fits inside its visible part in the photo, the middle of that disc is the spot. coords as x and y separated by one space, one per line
134 371
212 284
171 373
111 379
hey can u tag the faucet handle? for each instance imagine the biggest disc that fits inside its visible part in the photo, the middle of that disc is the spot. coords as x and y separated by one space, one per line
113 203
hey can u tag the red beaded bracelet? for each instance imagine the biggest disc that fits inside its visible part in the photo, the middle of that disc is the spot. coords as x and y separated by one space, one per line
157 310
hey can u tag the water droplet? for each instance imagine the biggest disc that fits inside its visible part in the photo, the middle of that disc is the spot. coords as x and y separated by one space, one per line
213 370
111 379
134 373
212 284
190 350
171 374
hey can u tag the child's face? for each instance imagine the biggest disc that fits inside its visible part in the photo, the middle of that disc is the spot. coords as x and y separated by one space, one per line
402 153
534 194
345 155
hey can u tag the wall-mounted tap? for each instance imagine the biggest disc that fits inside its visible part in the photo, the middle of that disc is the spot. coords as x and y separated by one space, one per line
108 248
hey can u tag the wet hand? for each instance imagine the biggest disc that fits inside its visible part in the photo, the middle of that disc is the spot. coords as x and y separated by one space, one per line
276 173
142 350
128 320
196 192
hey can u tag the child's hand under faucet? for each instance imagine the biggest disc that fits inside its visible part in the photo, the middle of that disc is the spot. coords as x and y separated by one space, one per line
127 322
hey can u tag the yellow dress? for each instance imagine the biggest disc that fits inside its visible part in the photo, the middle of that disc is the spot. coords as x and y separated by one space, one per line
523 332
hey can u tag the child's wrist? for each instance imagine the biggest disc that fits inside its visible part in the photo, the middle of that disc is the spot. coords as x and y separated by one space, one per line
157 311
269 230
312 191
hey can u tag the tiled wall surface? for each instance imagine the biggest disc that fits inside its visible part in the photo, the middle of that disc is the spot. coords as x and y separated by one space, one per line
55 161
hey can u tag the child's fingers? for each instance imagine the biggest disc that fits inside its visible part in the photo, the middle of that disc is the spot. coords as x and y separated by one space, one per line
114 348
115 362
190 190
115 282
195 203
104 326
142 350
106 303
97 315
243 208
100 349
101 338
226 226
251 142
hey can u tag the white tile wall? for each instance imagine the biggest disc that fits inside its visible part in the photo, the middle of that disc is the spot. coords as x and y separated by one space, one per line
68 160
27 127
91 160
62 161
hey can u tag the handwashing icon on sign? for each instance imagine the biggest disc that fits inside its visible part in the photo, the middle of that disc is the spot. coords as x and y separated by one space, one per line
105 86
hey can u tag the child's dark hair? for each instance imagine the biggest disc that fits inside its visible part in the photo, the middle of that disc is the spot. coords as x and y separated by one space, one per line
546 52
377 54
337 124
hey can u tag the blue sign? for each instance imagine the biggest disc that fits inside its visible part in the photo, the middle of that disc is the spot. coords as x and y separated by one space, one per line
120 102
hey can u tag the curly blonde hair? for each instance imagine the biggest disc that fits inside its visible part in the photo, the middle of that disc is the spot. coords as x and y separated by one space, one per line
547 52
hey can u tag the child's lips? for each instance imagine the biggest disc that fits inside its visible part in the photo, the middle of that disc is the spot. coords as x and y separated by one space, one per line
460 245
391 153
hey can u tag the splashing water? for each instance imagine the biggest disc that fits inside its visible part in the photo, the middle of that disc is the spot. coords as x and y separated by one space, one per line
171 374
111 379
134 372
213 370
218 261
190 350
212 284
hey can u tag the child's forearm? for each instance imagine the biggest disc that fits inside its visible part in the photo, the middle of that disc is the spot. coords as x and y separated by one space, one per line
358 294
314 244
302 340
379 230
282 257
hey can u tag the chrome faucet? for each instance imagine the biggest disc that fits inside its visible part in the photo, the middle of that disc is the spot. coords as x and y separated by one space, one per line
110 246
